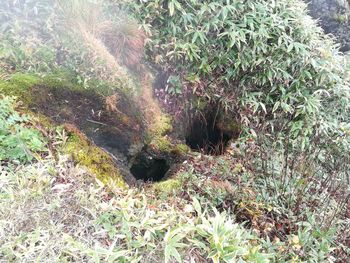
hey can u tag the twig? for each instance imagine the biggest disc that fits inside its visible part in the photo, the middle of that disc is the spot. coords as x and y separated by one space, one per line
96 122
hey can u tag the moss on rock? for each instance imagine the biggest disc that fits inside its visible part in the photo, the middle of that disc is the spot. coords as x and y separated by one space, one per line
94 159
181 149
160 141
161 144
161 126
167 188
26 86
20 84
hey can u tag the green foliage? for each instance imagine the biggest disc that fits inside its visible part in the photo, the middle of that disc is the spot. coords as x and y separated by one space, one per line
18 142
171 233
265 61
227 241
174 86
270 64
297 219
269 54
309 244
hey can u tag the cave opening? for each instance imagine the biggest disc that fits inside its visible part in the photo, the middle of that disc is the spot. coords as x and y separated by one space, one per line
149 168
206 133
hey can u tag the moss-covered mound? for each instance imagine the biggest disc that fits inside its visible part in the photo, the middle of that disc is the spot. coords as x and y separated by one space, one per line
97 161
107 134
56 100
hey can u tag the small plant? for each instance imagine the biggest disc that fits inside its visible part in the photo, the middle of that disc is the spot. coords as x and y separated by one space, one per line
174 86
17 141
227 241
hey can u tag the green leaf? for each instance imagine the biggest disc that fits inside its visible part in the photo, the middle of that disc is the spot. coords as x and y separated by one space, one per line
197 205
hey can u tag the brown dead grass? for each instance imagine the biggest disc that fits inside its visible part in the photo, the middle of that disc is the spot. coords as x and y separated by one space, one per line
82 20
118 45
124 40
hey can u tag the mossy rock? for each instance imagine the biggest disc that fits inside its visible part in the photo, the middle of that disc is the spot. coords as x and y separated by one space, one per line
20 84
94 159
181 149
167 188
160 127
34 92
161 144
160 141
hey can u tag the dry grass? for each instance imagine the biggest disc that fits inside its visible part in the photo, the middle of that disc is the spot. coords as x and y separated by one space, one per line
116 44
124 40
40 206
83 20
55 212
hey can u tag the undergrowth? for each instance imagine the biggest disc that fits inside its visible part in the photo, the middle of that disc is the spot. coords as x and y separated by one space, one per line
18 141
55 211
292 227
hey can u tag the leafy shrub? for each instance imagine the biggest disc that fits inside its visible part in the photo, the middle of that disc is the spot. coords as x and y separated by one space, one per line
269 65
292 223
262 57
18 142
170 234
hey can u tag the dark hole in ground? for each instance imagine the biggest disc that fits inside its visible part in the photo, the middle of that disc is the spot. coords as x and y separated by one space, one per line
206 135
148 168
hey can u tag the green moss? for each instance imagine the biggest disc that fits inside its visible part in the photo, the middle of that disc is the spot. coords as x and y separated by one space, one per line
162 144
94 159
166 188
161 126
157 137
69 80
60 79
181 149
19 86
24 80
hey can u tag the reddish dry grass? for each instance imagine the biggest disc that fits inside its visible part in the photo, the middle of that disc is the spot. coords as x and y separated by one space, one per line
125 41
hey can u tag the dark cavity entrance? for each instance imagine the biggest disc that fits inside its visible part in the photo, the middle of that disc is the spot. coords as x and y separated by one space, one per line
148 168
208 134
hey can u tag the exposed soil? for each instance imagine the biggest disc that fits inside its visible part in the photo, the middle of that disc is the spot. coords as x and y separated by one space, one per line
113 131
